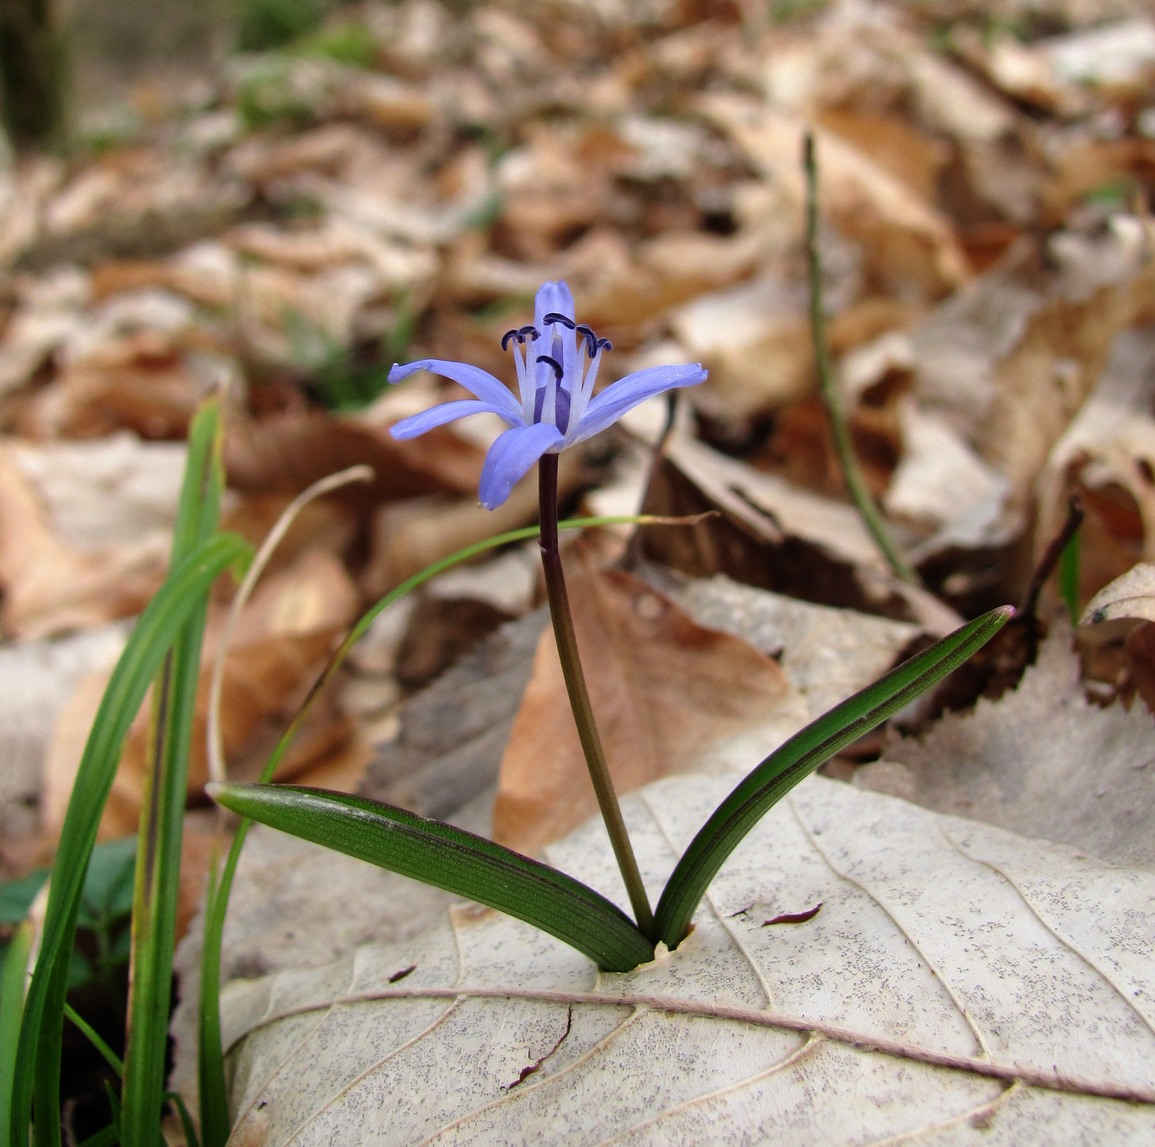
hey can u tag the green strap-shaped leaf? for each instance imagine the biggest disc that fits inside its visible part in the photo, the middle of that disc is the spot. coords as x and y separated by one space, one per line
154 913
800 756
37 1075
449 858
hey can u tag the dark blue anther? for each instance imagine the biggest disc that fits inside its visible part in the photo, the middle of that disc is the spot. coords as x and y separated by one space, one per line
587 333
593 343
520 335
557 317
554 363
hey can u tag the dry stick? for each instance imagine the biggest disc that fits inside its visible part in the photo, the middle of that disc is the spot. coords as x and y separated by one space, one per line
851 471
1051 556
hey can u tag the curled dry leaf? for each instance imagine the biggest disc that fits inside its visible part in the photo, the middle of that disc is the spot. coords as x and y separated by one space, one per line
662 686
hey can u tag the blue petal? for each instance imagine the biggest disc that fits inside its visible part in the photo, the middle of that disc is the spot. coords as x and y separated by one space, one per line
473 378
607 407
552 297
449 412
511 456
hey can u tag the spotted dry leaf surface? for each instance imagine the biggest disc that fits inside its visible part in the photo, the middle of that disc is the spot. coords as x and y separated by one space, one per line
1011 999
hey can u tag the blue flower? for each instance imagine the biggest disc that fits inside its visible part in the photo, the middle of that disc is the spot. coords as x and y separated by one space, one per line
557 362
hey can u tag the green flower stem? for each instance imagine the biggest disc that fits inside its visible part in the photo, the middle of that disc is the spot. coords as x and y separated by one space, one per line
579 697
840 430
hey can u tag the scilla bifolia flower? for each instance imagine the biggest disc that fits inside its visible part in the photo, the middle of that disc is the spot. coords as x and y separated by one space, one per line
557 362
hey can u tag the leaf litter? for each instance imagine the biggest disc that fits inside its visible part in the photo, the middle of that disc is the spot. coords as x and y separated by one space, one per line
986 241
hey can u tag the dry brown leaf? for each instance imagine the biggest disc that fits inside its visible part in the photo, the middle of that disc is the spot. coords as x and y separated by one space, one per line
143 385
440 630
754 338
914 159
130 202
1072 73
624 287
1009 363
662 687
907 242
940 482
41 315
1086 166
285 453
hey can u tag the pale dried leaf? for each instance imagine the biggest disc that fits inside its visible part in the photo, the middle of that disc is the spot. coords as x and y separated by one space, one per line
941 482
36 680
98 494
1042 761
1131 596
873 1018
51 585
755 340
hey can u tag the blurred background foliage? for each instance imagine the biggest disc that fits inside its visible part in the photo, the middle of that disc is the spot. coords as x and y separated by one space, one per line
57 62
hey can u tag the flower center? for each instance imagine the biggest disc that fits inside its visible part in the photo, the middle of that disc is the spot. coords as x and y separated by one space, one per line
564 388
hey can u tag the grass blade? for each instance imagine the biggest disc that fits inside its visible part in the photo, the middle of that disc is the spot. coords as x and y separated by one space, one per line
37 1077
799 757
93 1036
449 858
164 798
12 979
